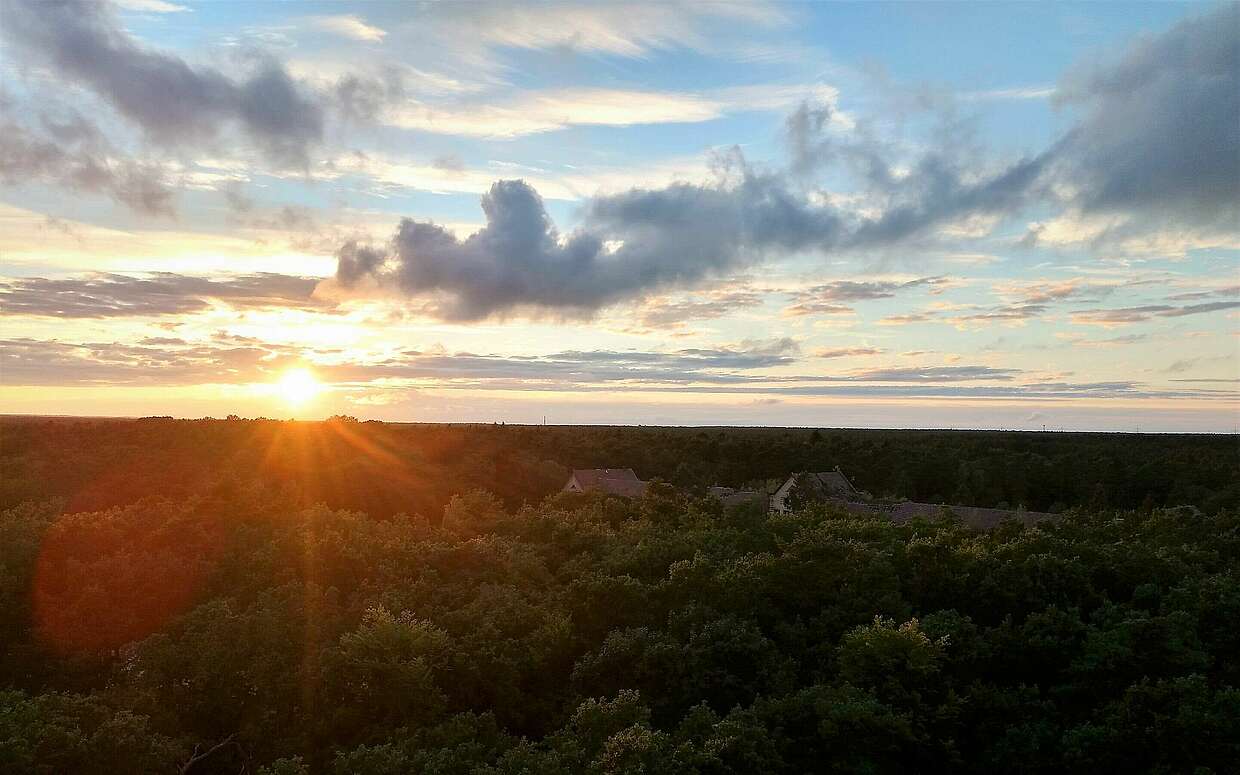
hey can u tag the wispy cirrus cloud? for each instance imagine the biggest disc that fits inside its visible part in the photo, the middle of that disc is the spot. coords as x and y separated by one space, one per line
625 29
28 361
1143 313
242 360
151 6
676 311
1227 291
153 294
729 369
349 26
549 110
831 298
846 352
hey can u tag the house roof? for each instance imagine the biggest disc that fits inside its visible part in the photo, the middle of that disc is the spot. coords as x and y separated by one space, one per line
826 483
615 481
590 476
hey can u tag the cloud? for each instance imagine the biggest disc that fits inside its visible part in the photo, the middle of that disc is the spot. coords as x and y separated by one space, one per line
40 362
150 6
353 262
1181 366
945 186
827 298
846 352
174 103
1076 340
1016 313
728 369
673 313
940 190
1160 134
634 243
625 29
387 174
158 293
1047 292
412 99
79 158
546 111
1199 309
241 360
349 26
1125 315
1015 93
907 319
1227 380
934 374
1231 290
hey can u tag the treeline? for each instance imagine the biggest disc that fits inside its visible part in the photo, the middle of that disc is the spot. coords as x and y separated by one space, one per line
385 469
235 631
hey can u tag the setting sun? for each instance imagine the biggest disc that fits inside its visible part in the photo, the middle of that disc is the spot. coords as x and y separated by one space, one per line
298 387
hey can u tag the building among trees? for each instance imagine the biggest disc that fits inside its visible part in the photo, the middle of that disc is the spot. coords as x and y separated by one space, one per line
612 481
802 488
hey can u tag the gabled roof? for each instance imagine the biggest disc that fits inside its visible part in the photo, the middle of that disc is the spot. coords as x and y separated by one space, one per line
614 481
587 477
827 483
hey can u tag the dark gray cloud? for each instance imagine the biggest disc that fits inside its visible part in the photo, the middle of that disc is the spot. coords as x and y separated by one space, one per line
1160 134
79 158
363 98
174 103
942 189
632 243
945 184
354 261
159 293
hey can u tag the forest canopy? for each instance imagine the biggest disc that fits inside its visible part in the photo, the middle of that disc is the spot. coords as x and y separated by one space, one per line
243 596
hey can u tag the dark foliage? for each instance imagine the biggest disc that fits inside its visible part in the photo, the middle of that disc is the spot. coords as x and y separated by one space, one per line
388 468
201 614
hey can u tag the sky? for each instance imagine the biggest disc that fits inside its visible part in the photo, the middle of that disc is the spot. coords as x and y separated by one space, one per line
923 215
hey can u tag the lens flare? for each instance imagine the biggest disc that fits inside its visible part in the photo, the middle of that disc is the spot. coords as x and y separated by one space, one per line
298 387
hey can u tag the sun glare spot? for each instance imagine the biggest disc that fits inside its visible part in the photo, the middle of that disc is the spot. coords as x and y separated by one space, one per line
298 386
